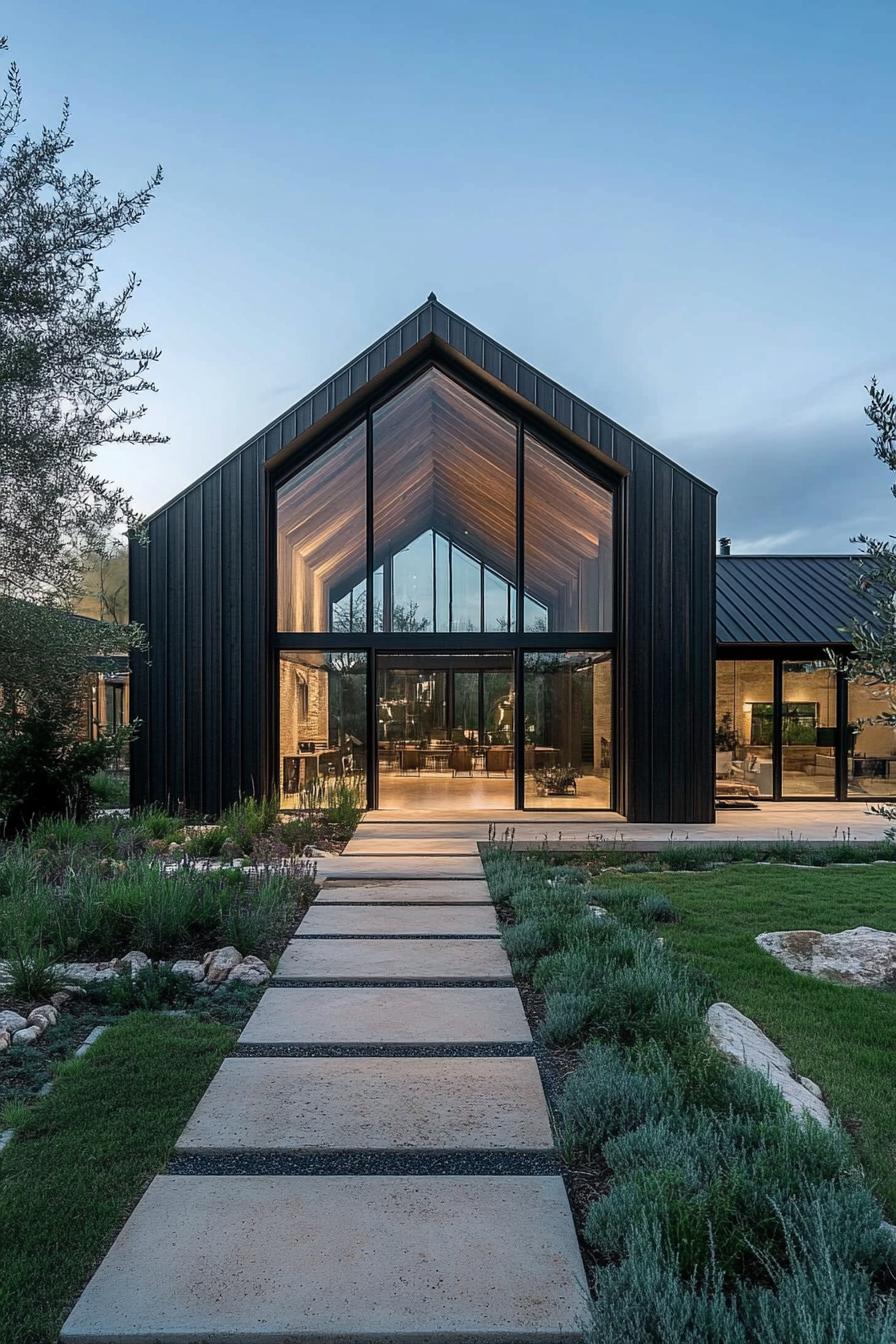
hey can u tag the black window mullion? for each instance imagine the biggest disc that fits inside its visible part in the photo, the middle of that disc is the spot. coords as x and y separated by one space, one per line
777 733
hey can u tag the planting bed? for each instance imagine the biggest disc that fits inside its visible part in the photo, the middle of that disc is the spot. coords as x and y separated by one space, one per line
707 1211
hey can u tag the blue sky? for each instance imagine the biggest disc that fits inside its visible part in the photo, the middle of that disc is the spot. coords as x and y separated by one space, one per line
684 212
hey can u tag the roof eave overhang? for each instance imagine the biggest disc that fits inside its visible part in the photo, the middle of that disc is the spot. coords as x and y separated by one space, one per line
432 349
771 648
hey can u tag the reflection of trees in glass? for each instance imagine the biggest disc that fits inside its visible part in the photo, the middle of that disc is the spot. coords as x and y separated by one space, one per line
436 585
406 621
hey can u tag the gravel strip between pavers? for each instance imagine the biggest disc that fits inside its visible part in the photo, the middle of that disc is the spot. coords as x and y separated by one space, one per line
401 937
291 982
366 1162
439 1050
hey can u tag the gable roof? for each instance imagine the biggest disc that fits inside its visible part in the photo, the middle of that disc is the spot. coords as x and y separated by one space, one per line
788 599
434 326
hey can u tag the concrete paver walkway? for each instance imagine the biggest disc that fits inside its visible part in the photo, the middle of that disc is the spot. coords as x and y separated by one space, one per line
407 1043
394 959
435 921
315 1105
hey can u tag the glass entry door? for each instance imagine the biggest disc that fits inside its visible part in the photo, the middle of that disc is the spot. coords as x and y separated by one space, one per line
445 731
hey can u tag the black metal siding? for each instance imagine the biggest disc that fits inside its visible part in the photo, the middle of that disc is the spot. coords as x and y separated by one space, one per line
201 593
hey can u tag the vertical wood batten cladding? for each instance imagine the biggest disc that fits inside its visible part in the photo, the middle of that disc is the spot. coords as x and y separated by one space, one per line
206 565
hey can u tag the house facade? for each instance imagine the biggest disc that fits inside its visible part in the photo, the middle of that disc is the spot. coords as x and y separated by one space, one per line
444 581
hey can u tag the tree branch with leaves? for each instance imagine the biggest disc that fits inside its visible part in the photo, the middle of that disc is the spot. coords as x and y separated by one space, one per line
74 375
873 660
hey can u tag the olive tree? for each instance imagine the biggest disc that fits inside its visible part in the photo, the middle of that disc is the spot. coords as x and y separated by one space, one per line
874 639
73 370
74 374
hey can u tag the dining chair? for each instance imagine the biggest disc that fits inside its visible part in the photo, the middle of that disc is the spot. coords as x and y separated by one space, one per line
409 759
498 760
461 760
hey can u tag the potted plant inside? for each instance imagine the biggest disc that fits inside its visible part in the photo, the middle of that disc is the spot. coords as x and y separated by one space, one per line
727 743
554 780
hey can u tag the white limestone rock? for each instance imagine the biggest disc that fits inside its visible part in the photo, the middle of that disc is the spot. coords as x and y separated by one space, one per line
220 963
89 972
250 971
192 969
46 1013
12 1022
860 956
598 911
136 960
27 1036
741 1041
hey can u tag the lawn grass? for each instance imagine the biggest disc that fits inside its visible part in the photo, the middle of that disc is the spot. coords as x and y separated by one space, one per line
84 1156
843 1037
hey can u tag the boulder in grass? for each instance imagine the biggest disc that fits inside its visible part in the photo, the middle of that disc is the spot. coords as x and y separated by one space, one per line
739 1038
861 956
192 969
220 963
12 1022
27 1036
250 971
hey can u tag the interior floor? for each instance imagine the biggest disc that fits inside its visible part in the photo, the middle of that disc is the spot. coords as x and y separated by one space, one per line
436 791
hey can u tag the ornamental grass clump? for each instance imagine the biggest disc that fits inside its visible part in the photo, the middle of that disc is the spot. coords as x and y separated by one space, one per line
206 843
607 1096
245 821
638 901
715 1185
154 823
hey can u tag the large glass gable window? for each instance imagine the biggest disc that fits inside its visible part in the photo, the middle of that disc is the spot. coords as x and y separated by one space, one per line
322 542
457 571
444 511
568 529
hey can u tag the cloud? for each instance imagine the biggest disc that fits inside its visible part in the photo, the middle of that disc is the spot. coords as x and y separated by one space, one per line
771 542
799 489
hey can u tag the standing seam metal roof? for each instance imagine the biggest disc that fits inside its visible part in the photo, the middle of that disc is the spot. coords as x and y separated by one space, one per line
788 599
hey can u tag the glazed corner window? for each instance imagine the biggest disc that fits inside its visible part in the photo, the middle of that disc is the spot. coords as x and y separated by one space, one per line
568 531
322 542
871 739
568 718
323 726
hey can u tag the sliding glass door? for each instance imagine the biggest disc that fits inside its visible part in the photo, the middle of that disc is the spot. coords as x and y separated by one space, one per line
445 731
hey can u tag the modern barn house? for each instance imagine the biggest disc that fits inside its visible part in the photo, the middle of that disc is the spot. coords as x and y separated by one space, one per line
444 578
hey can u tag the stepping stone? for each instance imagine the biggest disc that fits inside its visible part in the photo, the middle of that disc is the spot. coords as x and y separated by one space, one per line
393 959
394 920
456 891
340 1259
375 866
419 844
381 1104
362 1016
